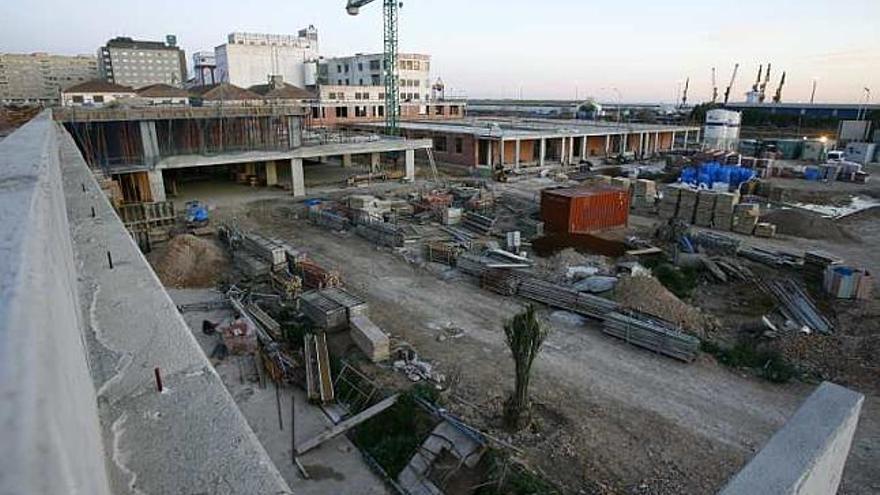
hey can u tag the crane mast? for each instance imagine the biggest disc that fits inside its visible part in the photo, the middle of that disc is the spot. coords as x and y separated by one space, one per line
391 68
714 87
730 85
684 94
778 96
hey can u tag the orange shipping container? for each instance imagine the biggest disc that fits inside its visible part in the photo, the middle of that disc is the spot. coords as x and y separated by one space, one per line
581 210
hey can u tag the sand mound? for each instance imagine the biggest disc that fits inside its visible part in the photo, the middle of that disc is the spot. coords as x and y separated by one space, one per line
191 262
806 224
555 267
647 294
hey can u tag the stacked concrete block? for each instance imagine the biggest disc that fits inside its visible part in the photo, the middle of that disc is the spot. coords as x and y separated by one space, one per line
745 218
725 203
687 204
764 229
644 195
705 208
621 182
369 338
669 202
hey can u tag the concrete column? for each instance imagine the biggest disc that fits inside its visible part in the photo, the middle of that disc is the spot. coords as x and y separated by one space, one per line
157 186
607 144
685 139
543 152
297 181
150 142
571 150
656 142
672 143
346 160
516 153
623 142
562 153
271 174
584 148
490 153
375 162
410 165
501 152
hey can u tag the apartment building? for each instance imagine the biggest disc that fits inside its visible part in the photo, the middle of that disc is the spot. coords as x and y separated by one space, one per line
137 63
368 70
38 78
250 59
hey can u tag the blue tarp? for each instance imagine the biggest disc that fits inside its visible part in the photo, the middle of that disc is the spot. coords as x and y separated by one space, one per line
709 173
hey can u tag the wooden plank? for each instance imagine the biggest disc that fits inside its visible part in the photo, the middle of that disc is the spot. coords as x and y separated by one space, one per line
325 379
346 425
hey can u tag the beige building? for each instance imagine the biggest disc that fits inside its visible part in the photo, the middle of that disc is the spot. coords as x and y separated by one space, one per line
38 78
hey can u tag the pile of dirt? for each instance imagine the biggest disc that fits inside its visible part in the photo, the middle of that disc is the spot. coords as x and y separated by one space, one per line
805 224
555 268
191 262
647 294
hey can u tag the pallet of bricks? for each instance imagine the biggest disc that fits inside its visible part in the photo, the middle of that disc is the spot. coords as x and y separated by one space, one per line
644 195
725 206
442 252
745 218
687 204
705 209
668 207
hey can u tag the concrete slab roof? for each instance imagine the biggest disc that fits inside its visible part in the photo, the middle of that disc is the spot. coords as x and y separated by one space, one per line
500 128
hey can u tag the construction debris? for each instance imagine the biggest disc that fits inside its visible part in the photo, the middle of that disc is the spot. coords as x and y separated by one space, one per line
796 306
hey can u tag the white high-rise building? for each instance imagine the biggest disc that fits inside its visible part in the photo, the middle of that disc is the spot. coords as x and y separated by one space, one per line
248 59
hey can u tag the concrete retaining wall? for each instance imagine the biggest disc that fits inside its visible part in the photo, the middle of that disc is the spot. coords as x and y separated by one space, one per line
807 456
79 342
49 425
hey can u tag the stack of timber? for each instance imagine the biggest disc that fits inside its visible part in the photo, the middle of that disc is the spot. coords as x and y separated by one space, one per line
381 233
669 202
353 304
319 381
369 338
314 276
471 264
765 229
705 208
286 284
687 204
325 313
478 223
442 252
501 281
272 327
651 333
725 204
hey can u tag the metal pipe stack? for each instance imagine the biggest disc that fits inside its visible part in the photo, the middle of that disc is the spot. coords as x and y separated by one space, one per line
651 333
561 297
480 224
798 307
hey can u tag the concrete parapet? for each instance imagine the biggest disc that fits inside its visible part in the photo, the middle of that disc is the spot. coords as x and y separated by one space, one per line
807 456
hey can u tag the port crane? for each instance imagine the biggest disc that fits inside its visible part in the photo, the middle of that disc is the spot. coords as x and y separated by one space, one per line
763 95
730 85
714 87
684 94
390 9
778 96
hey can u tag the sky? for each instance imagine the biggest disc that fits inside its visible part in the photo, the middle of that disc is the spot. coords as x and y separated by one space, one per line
620 50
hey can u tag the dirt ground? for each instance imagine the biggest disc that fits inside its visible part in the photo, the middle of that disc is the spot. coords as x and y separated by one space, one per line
621 420
624 420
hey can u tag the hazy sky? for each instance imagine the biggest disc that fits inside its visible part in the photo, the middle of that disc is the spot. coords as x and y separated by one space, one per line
540 49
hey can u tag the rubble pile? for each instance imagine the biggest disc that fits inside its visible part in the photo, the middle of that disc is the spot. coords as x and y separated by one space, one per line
646 294
191 262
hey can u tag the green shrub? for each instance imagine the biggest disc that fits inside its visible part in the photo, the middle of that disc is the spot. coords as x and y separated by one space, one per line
767 363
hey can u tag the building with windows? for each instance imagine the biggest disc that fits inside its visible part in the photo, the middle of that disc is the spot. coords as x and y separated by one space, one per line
250 59
38 78
205 68
137 63
95 93
368 70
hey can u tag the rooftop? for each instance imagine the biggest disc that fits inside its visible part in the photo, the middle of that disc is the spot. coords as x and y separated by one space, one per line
99 86
162 91
282 91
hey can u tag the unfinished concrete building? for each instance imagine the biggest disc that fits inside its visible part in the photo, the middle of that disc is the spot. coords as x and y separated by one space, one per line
529 142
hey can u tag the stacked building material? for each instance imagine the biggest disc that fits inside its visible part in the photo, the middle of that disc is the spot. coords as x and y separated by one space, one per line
846 282
471 264
816 264
765 229
565 298
286 284
718 243
268 250
705 208
798 307
250 265
328 219
325 313
745 218
687 204
644 195
369 338
260 317
451 215
770 257
353 304
501 281
651 333
384 234
442 252
725 207
622 182
669 202
480 224
314 276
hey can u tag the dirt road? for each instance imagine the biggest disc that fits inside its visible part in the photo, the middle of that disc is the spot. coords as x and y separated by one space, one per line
620 417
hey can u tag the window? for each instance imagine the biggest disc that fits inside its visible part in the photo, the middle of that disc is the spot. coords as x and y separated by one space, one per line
374 65
440 143
360 67
453 110
360 111
341 112
331 96
77 99
98 98
361 82
339 69
346 68
346 82
417 65
381 96
459 145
